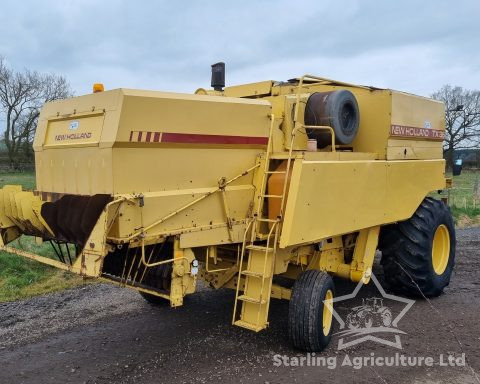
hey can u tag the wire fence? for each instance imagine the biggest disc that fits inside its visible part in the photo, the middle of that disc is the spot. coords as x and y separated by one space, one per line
465 197
21 167
464 202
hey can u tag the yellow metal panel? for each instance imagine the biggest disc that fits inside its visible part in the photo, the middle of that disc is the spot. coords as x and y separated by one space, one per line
416 111
332 198
214 236
338 155
408 182
182 113
418 125
84 171
20 208
182 172
9 203
160 204
407 151
329 198
163 169
374 125
250 90
66 162
70 108
5 221
82 130
404 149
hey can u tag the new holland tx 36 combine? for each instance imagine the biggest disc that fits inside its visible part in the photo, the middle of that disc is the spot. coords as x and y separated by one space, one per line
268 188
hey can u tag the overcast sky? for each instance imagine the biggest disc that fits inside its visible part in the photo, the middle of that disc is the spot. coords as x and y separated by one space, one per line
414 46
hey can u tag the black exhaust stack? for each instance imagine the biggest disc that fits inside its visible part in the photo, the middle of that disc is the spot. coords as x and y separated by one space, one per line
218 76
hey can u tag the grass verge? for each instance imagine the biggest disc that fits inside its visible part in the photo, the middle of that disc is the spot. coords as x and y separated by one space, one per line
22 278
464 201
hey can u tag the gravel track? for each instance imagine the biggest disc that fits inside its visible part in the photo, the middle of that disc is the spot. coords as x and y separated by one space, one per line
100 333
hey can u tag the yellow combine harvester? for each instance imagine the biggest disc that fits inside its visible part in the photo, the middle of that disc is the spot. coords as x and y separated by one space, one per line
303 180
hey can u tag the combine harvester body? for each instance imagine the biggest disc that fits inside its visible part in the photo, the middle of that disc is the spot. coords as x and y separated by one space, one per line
236 186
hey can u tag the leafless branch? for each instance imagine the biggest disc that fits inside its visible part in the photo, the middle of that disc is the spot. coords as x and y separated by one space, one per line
462 118
22 94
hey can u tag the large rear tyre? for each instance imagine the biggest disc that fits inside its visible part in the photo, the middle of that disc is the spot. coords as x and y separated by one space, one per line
418 254
310 319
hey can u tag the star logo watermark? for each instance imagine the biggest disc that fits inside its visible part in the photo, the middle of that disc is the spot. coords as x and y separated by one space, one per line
371 319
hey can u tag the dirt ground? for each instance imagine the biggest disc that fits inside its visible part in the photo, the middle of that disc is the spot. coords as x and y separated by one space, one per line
105 334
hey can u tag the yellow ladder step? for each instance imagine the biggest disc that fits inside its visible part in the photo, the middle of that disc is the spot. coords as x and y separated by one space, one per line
247 325
259 272
262 219
251 299
263 236
259 248
254 274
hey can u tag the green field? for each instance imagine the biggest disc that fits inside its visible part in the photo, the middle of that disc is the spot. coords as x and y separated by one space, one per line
20 278
26 179
463 201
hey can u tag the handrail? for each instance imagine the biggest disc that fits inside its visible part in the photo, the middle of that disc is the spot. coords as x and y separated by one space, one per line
326 127
207 256
150 265
268 151
323 80
300 85
297 126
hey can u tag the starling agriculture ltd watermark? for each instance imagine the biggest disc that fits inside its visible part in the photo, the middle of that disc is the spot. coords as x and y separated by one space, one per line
372 360
372 318
375 319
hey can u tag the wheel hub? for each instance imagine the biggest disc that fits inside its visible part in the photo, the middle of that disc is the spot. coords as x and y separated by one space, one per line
327 312
440 249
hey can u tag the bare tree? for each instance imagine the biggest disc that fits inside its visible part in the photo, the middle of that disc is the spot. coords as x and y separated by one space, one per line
22 94
462 119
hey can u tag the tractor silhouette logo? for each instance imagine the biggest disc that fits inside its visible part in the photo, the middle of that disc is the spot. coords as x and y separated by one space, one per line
373 320
372 313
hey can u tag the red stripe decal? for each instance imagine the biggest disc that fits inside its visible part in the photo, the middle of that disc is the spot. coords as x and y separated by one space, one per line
193 138
131 135
156 137
139 136
149 134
